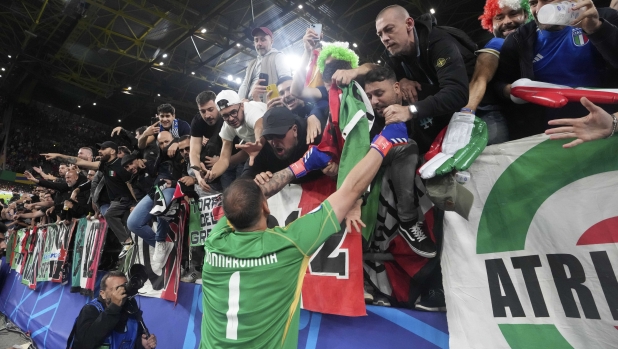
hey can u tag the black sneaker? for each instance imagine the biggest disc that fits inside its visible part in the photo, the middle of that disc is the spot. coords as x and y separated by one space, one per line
420 243
433 301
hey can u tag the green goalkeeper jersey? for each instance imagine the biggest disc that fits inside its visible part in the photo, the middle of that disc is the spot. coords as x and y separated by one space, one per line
252 281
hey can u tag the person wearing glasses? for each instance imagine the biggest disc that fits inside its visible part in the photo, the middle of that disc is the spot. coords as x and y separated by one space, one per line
242 120
286 142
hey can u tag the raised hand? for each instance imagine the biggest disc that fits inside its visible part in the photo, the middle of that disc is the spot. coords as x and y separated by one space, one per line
314 128
253 149
596 125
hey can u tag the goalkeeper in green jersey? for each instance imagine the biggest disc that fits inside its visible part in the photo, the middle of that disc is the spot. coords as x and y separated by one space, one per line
252 275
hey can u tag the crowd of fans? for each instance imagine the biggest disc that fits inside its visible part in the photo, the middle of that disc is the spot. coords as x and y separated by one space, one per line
35 130
432 77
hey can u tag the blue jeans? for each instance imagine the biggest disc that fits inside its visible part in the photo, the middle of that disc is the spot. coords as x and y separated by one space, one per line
230 175
140 217
103 209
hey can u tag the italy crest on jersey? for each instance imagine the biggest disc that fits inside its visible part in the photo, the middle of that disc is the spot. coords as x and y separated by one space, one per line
579 38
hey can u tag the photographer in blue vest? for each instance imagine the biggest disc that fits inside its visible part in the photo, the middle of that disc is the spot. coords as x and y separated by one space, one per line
105 323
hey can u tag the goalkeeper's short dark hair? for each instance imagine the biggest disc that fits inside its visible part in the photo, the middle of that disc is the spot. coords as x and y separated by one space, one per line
242 203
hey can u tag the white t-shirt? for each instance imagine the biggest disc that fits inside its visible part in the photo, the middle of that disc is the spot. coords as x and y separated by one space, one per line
253 112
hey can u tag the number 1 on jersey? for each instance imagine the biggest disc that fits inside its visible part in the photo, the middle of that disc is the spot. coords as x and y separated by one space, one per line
231 331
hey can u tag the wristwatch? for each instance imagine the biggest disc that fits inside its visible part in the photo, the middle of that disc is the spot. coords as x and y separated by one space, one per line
413 111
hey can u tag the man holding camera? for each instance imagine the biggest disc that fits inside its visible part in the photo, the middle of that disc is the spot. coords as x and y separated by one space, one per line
105 323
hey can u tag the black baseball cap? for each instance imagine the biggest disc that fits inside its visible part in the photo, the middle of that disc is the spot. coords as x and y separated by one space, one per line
278 121
107 144
127 159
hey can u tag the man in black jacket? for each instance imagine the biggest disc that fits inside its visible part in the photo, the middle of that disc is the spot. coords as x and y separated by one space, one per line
430 69
65 207
585 55
103 321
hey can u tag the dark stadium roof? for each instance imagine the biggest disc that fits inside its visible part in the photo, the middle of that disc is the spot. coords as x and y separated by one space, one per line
72 53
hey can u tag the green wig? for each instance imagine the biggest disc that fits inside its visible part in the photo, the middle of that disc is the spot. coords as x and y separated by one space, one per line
339 51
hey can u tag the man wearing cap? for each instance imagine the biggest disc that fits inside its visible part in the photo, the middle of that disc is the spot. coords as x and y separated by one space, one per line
116 178
285 135
269 61
242 120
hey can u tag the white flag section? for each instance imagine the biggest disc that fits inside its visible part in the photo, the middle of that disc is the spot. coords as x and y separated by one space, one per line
535 266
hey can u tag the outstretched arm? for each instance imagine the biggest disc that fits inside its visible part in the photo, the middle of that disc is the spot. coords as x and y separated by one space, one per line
596 125
90 165
484 71
278 181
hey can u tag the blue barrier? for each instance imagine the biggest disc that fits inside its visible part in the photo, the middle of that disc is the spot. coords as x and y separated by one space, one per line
49 313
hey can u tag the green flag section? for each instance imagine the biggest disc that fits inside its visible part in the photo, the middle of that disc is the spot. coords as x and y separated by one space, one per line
532 178
535 264
534 337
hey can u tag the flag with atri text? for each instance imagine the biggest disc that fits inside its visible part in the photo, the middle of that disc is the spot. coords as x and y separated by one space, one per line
535 265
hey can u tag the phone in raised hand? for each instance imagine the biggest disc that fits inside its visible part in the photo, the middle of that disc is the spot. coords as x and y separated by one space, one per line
317 28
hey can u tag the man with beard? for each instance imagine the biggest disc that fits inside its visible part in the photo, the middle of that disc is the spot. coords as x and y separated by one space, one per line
269 61
208 125
242 120
501 17
431 71
103 322
584 54
116 178
167 122
285 135
383 90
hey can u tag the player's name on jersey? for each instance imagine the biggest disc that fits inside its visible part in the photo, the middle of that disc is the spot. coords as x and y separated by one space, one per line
222 261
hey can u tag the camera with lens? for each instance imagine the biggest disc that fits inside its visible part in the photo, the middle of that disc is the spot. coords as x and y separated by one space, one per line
136 279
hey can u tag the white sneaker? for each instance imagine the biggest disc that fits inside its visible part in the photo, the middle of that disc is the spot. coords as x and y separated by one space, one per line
162 251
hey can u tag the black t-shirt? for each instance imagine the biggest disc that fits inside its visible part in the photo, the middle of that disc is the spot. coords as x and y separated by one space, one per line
199 128
116 178
268 161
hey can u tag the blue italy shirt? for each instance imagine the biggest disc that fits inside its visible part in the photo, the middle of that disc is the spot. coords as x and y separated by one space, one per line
566 57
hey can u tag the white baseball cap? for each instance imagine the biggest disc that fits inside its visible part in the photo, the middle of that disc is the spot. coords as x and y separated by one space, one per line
226 98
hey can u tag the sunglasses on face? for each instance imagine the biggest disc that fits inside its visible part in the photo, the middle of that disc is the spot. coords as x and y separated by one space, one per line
232 114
